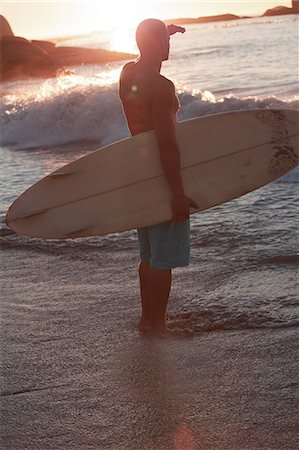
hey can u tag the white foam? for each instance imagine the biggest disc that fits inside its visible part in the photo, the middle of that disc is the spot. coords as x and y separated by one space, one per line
196 104
77 108
63 112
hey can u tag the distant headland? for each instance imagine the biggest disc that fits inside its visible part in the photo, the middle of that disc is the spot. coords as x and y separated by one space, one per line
277 11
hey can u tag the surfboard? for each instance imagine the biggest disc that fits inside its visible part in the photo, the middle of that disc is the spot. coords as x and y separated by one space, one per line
122 186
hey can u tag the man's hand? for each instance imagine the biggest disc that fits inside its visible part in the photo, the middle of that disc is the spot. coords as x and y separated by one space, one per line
172 29
181 207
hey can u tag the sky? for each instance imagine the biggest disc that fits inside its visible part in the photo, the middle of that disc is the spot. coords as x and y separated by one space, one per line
54 18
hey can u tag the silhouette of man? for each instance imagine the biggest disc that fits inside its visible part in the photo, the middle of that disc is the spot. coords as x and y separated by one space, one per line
150 103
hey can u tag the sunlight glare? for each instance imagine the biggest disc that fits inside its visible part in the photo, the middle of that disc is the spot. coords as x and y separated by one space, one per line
123 40
109 77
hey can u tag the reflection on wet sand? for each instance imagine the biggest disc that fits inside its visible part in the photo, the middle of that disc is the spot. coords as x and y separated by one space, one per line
149 376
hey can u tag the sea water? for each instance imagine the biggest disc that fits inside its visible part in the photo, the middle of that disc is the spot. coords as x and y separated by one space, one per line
248 245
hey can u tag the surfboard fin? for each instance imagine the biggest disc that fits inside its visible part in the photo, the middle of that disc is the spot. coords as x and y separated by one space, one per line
57 175
78 233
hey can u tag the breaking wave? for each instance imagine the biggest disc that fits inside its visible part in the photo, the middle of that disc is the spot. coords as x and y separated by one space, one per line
75 109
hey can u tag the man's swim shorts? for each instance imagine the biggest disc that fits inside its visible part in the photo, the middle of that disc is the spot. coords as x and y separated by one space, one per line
166 245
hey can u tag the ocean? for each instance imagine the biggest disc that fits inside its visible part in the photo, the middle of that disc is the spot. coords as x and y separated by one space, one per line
244 258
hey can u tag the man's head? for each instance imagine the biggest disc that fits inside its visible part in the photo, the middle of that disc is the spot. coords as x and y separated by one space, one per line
152 37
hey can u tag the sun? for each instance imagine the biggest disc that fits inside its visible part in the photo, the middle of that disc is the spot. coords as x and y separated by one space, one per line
120 18
123 40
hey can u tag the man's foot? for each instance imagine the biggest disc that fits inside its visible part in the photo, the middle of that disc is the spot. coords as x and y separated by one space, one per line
172 332
144 326
162 330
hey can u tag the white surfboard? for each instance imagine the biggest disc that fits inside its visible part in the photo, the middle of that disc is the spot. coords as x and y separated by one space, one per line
122 186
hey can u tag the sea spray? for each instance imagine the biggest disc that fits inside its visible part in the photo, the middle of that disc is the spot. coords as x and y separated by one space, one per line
75 109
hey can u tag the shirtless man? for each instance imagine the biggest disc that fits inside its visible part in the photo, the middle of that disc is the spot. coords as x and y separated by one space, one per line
150 103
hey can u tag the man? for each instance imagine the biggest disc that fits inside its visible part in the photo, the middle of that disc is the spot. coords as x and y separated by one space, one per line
150 103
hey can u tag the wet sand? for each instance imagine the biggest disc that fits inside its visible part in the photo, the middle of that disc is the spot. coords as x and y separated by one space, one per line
77 374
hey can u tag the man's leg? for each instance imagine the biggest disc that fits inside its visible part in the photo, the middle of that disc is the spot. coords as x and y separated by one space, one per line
159 285
145 322
155 289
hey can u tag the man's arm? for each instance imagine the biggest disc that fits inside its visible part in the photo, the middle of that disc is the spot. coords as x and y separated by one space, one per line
163 124
172 29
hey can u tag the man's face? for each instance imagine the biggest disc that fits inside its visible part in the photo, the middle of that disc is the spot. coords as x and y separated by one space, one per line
165 45
153 39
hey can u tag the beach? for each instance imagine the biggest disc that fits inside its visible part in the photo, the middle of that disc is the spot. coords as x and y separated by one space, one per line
76 372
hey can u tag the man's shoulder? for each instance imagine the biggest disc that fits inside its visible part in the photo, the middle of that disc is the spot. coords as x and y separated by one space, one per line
127 67
156 78
163 85
165 82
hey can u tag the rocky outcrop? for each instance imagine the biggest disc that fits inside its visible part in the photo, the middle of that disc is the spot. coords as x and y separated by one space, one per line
295 6
21 58
5 29
223 17
219 18
73 56
280 10
44 45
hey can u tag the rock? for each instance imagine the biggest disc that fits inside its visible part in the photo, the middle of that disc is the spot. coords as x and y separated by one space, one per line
219 18
295 6
5 29
279 10
44 45
73 56
21 59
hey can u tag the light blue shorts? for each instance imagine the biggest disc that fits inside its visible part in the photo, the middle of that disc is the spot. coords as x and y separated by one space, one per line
166 245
